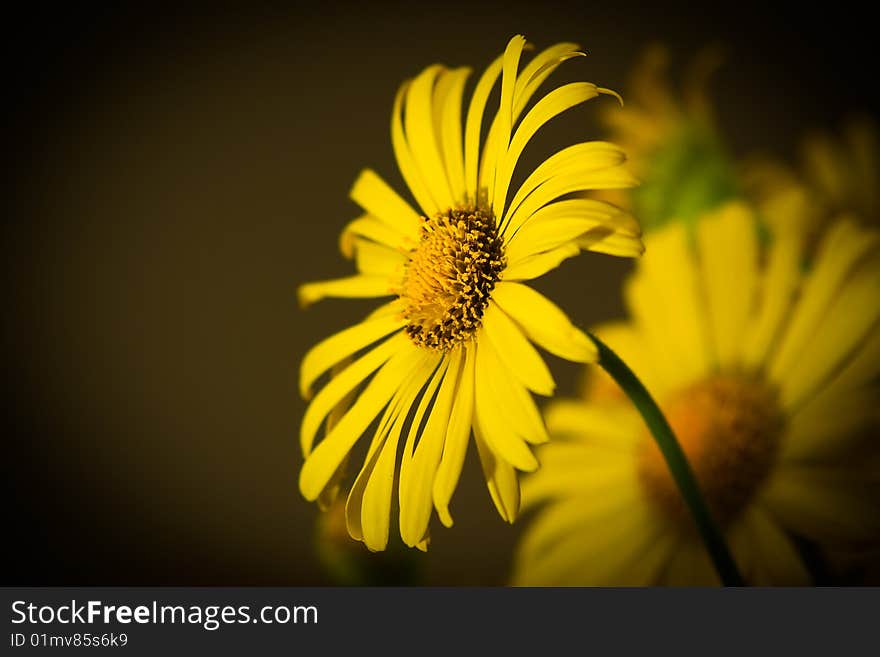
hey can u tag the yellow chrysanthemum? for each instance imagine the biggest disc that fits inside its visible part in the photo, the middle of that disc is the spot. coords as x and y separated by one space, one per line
452 351
766 372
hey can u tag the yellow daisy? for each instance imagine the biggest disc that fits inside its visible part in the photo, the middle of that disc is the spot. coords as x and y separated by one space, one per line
767 373
452 351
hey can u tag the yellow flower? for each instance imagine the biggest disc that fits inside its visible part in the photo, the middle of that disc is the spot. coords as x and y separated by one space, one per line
452 352
671 141
766 372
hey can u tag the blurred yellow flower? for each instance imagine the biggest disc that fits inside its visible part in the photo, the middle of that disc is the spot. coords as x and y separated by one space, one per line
452 351
671 140
766 372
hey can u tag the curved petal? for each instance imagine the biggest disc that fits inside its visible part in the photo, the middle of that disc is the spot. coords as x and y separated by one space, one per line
544 323
339 346
418 123
416 496
500 479
457 436
342 384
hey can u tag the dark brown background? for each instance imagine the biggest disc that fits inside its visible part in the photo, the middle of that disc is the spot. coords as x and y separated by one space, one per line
173 177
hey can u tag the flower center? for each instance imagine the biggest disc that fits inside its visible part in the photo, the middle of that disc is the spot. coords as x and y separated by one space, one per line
449 276
729 427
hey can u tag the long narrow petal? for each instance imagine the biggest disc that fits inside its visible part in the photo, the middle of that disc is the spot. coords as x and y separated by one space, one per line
321 463
516 352
537 265
504 119
405 160
664 298
500 478
728 249
374 259
457 438
780 279
451 137
339 346
416 498
496 427
473 125
342 384
837 337
544 323
511 397
351 287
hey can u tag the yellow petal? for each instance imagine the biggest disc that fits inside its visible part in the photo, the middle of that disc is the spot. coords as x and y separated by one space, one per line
585 470
780 279
728 250
339 346
665 302
843 246
544 323
537 265
586 156
473 125
527 83
344 383
405 160
321 463
500 479
589 541
610 242
511 398
352 287
451 133
375 230
376 197
416 498
495 426
457 436
612 426
374 259
516 352
837 337
504 117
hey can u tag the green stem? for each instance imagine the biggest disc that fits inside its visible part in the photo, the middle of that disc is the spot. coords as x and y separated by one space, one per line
676 461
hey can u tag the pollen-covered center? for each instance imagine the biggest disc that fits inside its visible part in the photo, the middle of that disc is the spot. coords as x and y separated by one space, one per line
450 275
729 427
